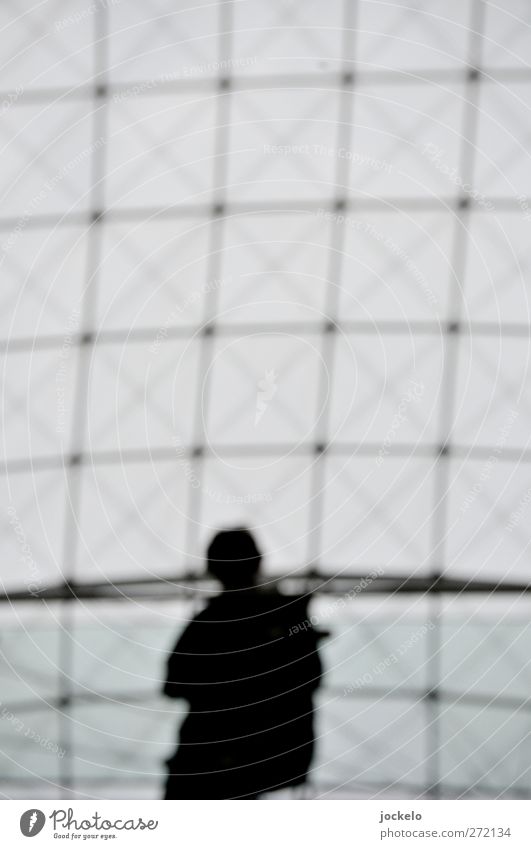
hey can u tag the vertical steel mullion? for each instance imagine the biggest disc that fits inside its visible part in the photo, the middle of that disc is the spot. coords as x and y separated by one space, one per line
216 241
440 528
335 265
74 470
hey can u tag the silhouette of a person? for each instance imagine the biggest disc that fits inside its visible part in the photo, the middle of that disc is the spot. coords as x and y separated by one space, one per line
248 666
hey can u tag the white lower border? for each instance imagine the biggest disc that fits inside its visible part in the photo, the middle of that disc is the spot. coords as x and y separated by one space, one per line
266 825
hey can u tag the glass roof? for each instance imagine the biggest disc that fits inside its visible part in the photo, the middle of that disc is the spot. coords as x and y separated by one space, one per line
268 264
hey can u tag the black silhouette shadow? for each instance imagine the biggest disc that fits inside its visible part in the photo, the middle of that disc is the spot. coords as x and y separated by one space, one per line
248 666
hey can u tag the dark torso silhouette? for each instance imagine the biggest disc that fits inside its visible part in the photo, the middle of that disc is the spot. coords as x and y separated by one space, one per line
248 666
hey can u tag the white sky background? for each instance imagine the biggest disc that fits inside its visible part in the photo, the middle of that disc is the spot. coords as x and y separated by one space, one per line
339 192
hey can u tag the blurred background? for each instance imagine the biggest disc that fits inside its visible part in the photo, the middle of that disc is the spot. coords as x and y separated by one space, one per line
267 263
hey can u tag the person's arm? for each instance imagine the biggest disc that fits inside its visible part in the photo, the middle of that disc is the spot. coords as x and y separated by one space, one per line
310 661
182 666
303 640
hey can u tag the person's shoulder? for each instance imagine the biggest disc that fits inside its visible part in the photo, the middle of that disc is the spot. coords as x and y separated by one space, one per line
255 604
288 610
211 611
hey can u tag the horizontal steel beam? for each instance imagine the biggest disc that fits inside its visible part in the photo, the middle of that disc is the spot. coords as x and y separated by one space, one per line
154 454
411 694
188 79
233 208
146 335
191 585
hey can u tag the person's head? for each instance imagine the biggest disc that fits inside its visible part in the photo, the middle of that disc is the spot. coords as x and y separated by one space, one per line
233 558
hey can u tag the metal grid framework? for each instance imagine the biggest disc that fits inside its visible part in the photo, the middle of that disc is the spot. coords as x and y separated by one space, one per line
274 264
